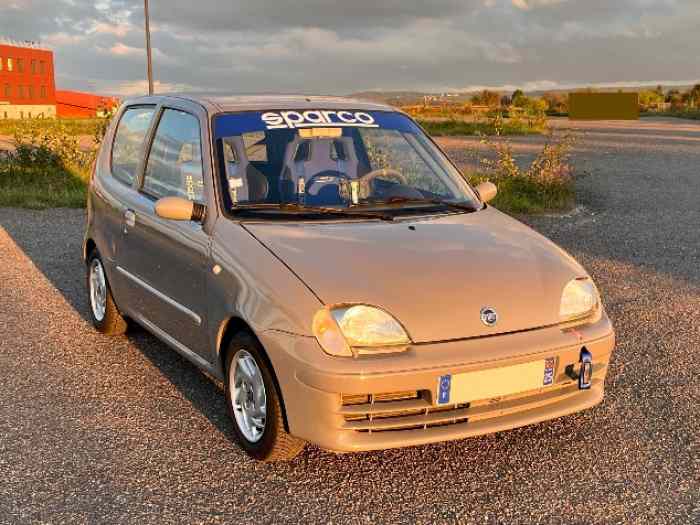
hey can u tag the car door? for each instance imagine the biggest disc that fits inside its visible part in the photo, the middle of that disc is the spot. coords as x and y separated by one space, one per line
115 174
165 260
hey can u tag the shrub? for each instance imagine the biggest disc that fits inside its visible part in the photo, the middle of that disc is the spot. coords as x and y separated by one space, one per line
547 184
48 167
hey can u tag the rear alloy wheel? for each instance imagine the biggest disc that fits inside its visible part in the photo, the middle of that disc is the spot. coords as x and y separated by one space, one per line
103 312
254 403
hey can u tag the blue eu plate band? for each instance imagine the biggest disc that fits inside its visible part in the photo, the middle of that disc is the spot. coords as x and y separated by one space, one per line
444 389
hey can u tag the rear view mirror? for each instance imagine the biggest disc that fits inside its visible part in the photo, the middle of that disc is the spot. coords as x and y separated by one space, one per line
487 191
179 209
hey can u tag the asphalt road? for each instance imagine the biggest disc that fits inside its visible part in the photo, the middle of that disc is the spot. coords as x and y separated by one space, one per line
123 430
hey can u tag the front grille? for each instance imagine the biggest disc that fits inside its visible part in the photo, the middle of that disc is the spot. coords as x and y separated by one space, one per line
397 411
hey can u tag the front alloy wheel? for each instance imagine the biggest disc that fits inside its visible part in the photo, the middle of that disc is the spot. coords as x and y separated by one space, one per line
254 402
248 396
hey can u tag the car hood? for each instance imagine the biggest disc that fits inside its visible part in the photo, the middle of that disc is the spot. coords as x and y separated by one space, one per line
433 274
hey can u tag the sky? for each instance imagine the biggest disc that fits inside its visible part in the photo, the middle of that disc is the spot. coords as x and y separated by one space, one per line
345 46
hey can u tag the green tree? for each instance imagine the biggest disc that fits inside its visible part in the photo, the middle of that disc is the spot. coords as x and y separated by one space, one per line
557 102
675 98
694 96
488 98
518 98
650 99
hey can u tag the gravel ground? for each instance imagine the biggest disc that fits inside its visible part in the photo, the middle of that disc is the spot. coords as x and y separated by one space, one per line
123 430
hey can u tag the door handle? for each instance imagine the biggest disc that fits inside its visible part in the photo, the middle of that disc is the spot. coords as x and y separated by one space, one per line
129 220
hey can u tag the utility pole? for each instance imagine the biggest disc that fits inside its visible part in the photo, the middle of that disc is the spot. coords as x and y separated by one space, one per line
148 49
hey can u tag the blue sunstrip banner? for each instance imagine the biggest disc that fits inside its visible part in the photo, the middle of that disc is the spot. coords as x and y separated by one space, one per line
234 124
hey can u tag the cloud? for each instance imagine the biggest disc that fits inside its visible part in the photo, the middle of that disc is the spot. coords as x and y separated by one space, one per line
120 49
533 4
339 47
139 87
120 30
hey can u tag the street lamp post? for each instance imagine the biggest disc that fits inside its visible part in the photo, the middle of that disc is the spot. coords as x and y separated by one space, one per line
148 49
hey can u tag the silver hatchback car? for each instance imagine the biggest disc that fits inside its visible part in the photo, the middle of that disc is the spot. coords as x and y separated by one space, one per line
325 259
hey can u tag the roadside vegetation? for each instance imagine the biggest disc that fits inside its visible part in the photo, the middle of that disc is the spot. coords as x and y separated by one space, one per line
693 114
48 167
671 103
488 113
521 114
491 126
72 127
546 185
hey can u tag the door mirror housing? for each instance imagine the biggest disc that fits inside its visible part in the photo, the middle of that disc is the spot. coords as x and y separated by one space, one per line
179 209
487 191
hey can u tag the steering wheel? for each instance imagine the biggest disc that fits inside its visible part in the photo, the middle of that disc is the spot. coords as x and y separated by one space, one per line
364 180
327 174
369 177
330 175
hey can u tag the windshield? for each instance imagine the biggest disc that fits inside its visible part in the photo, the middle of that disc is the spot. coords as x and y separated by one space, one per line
334 160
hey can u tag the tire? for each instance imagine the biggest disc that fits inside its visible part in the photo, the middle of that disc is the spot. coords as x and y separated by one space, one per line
105 319
265 441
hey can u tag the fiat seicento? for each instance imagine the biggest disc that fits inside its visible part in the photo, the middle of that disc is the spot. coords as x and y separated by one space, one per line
326 261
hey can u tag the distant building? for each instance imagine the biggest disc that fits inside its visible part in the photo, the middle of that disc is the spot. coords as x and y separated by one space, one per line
27 88
74 104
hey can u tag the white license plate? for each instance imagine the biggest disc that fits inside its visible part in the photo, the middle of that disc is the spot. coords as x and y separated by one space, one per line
495 382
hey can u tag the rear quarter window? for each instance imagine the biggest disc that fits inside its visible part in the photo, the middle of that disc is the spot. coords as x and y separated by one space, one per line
129 141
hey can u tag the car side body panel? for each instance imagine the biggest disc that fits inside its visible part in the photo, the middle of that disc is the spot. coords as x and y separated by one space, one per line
249 285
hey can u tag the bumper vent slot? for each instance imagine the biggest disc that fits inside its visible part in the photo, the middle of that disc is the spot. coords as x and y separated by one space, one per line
399 411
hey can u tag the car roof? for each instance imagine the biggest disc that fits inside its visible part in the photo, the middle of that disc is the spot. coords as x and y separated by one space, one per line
223 104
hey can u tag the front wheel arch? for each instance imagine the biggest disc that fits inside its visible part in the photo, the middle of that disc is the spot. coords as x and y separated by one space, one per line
229 330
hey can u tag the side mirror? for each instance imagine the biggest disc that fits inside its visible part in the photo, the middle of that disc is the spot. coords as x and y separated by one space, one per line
487 191
179 209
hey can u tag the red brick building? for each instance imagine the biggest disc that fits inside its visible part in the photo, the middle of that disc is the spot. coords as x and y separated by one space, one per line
27 88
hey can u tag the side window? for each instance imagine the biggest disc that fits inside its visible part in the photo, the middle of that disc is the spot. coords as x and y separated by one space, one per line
174 167
129 139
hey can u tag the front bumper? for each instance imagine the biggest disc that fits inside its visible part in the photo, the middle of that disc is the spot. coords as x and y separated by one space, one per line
390 401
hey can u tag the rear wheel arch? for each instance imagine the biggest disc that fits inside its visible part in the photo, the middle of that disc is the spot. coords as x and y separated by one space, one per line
229 329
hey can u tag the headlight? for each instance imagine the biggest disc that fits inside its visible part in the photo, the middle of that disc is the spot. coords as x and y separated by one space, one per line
358 329
579 299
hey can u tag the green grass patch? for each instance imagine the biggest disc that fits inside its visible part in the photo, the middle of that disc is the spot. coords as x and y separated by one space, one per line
522 195
693 114
40 188
74 127
442 128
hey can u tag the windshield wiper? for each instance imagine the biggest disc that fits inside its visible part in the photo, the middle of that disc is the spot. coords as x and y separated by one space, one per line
407 200
300 209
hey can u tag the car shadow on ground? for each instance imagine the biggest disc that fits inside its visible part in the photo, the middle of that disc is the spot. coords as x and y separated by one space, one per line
58 258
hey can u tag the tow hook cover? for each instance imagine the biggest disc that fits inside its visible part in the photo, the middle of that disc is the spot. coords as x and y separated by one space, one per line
585 374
